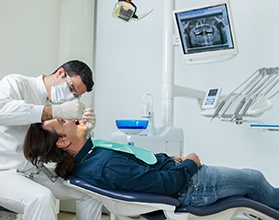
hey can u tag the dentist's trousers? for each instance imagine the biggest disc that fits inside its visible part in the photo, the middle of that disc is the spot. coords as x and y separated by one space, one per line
35 199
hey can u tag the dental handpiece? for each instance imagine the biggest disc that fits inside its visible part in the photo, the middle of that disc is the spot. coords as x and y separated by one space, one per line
239 107
218 110
245 108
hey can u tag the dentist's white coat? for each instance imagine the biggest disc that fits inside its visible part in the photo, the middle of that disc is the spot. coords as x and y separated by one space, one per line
22 100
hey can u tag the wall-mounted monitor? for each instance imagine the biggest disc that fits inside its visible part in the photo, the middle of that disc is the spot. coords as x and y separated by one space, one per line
206 32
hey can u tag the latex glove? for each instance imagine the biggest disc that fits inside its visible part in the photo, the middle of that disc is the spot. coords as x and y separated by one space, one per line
89 118
69 110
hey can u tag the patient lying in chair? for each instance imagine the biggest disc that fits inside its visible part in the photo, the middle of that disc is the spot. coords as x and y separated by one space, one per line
110 165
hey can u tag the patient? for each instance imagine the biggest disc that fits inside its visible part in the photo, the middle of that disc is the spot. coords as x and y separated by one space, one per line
65 142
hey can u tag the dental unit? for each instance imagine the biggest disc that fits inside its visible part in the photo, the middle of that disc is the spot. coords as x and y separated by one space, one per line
249 100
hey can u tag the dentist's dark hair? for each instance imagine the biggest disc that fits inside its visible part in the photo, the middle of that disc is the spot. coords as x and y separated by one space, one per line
76 67
40 146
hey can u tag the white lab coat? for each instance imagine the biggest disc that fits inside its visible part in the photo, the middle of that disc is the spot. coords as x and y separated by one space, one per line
22 100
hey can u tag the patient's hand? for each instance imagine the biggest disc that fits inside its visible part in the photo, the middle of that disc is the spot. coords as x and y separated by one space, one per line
177 158
193 157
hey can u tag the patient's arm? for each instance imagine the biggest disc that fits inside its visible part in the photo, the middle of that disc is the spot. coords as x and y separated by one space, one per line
191 156
195 158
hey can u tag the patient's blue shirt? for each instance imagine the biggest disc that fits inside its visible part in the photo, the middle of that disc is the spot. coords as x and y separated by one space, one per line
109 169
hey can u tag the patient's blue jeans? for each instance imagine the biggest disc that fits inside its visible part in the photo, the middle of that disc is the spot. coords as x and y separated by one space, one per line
211 183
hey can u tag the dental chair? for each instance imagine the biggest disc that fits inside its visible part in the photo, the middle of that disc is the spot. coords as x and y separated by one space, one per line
135 205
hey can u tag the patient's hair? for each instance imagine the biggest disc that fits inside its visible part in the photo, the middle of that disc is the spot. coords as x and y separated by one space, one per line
40 146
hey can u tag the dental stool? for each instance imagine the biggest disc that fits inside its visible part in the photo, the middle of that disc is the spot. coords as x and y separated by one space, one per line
6 214
135 205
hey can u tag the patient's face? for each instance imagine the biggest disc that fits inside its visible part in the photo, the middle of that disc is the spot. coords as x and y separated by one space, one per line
66 128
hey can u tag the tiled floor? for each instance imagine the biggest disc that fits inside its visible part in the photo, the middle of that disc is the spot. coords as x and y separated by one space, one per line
70 216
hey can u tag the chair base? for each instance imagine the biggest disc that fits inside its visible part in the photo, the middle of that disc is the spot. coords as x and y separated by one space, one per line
6 215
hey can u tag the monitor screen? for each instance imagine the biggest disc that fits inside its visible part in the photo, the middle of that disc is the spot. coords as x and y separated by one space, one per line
206 32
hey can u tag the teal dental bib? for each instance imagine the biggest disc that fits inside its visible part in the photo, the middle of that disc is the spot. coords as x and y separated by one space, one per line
143 154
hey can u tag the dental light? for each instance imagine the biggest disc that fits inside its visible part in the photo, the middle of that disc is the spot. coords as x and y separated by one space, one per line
126 10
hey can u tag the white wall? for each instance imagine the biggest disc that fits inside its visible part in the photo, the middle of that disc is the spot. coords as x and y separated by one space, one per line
129 64
76 35
29 36
39 35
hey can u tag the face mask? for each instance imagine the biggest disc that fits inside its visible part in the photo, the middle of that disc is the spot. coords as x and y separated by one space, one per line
61 93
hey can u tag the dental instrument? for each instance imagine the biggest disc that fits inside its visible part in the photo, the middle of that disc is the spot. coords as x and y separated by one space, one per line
250 99
219 108
258 94
272 86
251 91
253 78
260 90
251 84
240 105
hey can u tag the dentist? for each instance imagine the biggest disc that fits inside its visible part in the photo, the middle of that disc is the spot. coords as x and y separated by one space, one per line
25 100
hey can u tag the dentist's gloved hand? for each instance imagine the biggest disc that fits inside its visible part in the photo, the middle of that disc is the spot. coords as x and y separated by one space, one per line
69 110
89 117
